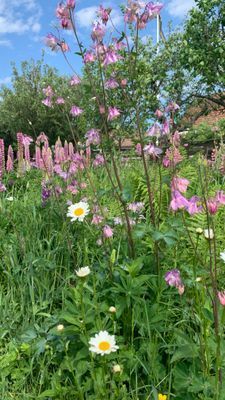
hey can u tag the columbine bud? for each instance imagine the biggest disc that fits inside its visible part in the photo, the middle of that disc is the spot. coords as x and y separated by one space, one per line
112 309
199 231
60 327
209 234
116 368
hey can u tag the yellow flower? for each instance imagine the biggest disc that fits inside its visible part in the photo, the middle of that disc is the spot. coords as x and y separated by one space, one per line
162 396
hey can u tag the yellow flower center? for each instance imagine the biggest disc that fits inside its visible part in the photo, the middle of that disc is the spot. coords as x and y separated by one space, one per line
162 397
104 346
78 212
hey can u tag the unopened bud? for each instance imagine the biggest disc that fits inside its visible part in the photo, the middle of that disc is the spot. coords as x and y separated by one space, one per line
60 327
112 309
117 368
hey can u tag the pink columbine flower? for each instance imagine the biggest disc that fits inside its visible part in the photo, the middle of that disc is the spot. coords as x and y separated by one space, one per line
89 57
136 207
53 42
75 80
173 278
212 206
155 130
159 114
221 297
152 150
111 57
64 46
180 184
113 113
70 3
194 206
98 32
220 197
178 201
93 137
111 84
47 102
166 128
172 107
97 219
75 111
107 231
99 160
104 13
60 100
153 9
66 23
62 11
48 91
2 187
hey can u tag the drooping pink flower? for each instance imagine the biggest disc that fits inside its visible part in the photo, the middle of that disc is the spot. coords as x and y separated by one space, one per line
2 187
172 107
111 84
220 197
70 3
173 278
93 137
64 46
66 23
75 111
98 32
155 130
159 114
113 113
98 161
178 201
221 297
97 219
152 150
166 128
47 102
62 11
107 231
75 80
48 91
111 57
104 14
60 100
89 57
194 206
212 206
180 184
153 9
53 42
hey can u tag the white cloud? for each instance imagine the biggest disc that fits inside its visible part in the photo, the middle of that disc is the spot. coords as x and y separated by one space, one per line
179 8
19 16
5 81
5 43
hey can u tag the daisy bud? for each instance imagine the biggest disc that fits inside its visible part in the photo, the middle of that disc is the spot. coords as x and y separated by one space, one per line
60 328
112 309
199 231
116 368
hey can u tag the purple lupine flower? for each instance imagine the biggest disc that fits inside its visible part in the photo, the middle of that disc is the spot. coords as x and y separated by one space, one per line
173 278
45 193
75 111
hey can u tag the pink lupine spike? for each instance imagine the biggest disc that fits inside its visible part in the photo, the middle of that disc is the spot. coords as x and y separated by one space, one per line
71 150
20 158
38 159
66 149
2 158
10 159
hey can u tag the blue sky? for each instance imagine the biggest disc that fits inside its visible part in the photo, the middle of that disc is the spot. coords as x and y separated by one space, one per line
24 24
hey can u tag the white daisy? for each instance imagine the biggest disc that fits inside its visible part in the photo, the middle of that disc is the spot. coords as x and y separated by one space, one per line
222 256
78 211
103 343
82 272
